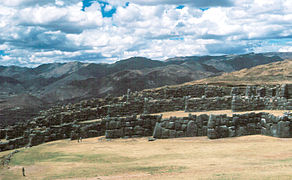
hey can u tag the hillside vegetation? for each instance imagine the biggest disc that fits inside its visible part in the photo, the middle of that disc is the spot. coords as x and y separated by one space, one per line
273 73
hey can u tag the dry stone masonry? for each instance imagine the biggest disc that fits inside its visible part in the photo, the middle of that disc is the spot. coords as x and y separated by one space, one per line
129 116
131 126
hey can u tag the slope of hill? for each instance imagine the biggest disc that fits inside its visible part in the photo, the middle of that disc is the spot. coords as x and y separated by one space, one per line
75 81
273 73
229 63
19 107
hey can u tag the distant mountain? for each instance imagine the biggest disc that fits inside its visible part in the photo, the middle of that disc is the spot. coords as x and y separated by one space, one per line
229 63
283 55
54 83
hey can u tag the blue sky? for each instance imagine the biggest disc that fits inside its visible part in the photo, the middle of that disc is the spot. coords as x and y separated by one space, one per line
103 4
33 32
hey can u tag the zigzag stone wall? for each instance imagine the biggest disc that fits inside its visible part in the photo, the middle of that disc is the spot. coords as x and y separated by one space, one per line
175 127
244 103
132 126
67 121
222 126
208 104
34 135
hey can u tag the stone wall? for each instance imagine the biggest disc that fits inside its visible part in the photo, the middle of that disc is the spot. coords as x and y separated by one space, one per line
221 126
164 105
186 90
175 127
245 103
213 126
289 91
208 104
33 136
124 109
61 122
132 126
284 90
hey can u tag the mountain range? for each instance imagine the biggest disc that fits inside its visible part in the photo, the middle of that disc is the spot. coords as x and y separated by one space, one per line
24 91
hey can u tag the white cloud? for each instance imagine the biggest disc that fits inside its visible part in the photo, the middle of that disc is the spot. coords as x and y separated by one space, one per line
108 7
286 49
196 3
42 31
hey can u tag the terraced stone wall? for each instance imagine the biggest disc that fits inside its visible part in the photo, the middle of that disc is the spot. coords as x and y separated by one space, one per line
131 126
175 127
221 126
208 104
244 103
186 90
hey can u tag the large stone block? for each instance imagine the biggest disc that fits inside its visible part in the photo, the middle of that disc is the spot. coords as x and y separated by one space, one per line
172 134
165 133
112 124
191 129
128 129
283 91
241 131
231 131
157 133
180 134
204 130
110 134
212 121
212 134
222 131
171 125
138 130
177 126
289 91
284 129
274 130
119 133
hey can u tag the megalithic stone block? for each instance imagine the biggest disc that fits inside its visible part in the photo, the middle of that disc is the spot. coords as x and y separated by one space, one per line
283 129
211 133
191 129
157 133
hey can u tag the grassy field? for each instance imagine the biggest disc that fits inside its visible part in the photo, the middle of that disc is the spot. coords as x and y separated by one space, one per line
250 157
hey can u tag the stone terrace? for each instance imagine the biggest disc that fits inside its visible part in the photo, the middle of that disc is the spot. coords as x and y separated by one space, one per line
130 115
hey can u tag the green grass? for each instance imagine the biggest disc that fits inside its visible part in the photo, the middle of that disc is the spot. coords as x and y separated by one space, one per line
92 158
118 164
116 169
159 169
32 156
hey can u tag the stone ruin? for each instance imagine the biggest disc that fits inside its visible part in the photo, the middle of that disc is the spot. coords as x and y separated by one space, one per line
130 115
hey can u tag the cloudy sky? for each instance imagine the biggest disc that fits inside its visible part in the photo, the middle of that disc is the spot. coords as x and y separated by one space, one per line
33 32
